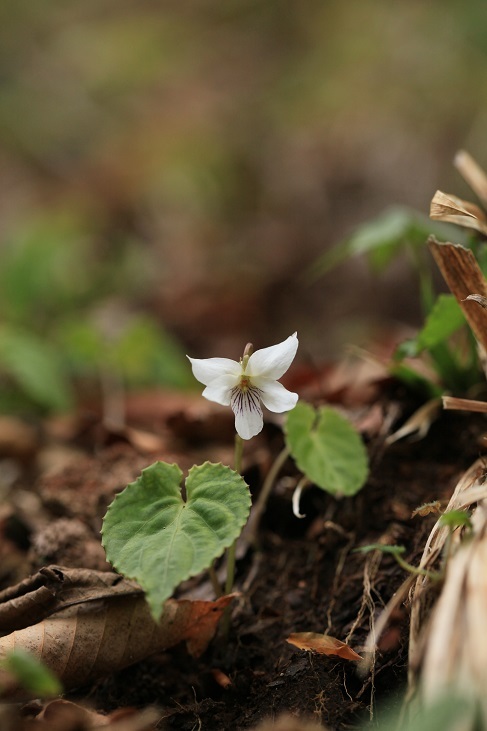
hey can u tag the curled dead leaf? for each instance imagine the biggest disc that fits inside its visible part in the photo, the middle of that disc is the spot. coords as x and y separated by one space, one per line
427 508
86 630
324 644
451 209
62 713
479 299
54 588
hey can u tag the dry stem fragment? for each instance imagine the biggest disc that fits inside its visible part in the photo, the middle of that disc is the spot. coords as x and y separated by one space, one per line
472 174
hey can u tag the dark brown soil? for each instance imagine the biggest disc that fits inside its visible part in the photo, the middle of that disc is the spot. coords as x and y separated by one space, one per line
304 577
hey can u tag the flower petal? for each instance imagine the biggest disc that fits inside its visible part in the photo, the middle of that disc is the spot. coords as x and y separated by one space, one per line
220 389
272 362
274 396
205 370
248 412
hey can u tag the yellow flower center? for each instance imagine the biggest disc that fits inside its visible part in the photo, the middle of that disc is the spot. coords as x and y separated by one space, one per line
244 384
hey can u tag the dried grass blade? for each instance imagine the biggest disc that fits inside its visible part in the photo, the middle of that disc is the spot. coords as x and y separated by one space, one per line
456 648
473 174
464 404
428 634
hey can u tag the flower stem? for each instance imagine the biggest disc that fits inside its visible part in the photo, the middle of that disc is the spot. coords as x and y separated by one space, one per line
214 581
231 553
238 454
230 567
261 502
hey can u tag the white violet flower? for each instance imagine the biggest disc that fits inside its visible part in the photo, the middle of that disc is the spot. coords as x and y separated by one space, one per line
245 385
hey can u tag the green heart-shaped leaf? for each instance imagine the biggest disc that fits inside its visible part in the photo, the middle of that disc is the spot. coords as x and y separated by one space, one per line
151 534
327 449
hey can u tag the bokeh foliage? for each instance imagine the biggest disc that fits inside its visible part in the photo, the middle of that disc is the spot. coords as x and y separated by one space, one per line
189 158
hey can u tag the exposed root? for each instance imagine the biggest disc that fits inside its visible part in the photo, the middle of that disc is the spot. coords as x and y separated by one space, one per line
371 569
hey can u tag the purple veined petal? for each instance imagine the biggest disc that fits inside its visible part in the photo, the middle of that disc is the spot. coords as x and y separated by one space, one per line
248 412
205 370
220 389
274 396
274 361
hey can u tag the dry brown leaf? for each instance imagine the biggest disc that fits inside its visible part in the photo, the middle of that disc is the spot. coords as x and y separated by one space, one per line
480 299
324 644
451 209
60 714
54 588
94 639
100 627
64 714
427 508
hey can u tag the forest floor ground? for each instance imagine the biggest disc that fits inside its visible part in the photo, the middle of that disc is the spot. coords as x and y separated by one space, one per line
302 576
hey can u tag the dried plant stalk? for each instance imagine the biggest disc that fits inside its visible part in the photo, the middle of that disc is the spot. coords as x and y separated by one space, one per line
464 277
455 652
452 403
473 174
448 648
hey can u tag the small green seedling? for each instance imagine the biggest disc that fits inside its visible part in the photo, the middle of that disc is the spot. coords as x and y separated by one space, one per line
154 535
31 674
456 519
397 552
327 449
160 534
456 368
443 341
453 519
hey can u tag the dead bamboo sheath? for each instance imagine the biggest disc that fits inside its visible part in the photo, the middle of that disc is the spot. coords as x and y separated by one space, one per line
463 276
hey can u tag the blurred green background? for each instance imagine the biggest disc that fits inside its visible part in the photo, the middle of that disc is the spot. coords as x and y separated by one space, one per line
170 170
